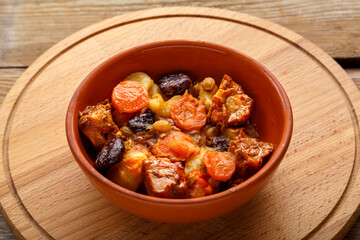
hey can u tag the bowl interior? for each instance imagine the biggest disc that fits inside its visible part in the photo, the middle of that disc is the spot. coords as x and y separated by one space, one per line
198 60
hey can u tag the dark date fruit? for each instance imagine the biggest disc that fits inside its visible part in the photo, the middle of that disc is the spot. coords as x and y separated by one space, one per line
220 144
110 154
174 84
141 122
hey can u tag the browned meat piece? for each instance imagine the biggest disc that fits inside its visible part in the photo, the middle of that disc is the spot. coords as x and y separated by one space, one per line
243 171
164 179
230 106
250 151
96 122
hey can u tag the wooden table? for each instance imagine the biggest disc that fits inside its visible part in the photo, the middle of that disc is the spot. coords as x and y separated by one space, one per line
30 28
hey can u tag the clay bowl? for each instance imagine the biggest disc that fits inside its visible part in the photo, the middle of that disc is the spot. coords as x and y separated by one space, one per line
272 117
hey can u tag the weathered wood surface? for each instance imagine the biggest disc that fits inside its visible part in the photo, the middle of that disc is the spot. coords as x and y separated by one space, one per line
28 28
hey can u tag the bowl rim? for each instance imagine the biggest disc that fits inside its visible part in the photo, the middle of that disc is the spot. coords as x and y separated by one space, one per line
272 163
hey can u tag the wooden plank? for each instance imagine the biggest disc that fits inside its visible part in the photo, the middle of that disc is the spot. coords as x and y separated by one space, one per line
5 232
354 74
8 77
28 28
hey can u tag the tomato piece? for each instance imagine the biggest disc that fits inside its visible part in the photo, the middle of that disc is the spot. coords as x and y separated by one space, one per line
188 113
176 146
220 165
129 97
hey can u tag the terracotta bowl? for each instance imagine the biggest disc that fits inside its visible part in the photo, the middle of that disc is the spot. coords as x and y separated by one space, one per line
272 117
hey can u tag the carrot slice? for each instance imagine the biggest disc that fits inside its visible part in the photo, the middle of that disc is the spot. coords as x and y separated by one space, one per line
129 97
220 165
188 113
176 146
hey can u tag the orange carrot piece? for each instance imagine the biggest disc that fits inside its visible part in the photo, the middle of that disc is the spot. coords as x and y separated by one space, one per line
176 146
129 97
188 113
220 165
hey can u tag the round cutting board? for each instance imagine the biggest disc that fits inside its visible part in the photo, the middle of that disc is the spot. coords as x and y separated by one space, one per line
314 194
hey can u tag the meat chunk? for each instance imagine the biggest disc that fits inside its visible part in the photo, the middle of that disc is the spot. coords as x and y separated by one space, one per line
230 106
250 151
96 123
249 154
164 179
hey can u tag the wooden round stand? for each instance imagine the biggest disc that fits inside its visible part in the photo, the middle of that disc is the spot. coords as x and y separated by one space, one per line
314 194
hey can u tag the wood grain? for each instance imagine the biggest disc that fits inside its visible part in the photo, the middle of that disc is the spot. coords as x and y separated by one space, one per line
354 74
303 90
8 76
28 28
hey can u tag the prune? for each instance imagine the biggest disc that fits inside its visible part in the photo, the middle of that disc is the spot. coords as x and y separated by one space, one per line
220 144
110 154
141 122
174 84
